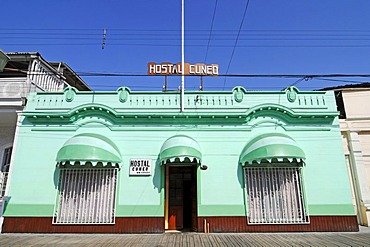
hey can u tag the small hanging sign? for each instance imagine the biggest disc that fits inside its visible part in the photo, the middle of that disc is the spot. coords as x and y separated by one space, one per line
140 167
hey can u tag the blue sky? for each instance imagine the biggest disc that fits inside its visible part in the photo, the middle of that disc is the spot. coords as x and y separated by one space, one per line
277 37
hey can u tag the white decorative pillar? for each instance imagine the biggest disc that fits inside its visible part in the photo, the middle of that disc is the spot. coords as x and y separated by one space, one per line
360 178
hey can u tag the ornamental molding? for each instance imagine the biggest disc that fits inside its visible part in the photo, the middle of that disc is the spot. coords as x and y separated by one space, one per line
91 112
358 125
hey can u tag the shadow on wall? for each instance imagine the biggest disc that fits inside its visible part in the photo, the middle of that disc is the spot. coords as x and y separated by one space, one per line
56 176
157 176
240 175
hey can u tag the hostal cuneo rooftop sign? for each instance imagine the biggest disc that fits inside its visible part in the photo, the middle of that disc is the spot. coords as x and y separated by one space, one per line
176 69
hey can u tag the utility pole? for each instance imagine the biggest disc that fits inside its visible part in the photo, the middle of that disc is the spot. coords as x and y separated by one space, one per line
182 59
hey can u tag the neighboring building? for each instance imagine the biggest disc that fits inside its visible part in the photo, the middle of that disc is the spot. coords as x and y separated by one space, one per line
125 162
25 73
353 103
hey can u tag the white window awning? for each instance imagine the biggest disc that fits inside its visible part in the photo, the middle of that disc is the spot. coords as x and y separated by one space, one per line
180 148
271 146
89 148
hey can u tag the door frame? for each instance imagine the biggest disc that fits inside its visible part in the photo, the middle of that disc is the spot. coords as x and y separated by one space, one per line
167 191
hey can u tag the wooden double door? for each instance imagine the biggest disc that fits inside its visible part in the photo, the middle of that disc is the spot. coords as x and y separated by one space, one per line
182 198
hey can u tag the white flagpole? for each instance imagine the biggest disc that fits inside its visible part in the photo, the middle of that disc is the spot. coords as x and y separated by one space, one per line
182 59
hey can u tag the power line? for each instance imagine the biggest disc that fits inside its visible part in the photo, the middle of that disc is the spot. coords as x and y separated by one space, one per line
237 38
304 76
157 39
250 84
176 30
335 80
194 45
210 32
301 77
200 32
195 38
309 76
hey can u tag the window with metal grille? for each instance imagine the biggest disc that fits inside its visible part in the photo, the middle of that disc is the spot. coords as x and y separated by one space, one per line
275 196
86 196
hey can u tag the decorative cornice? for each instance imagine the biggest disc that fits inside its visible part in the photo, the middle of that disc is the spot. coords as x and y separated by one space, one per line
156 116
287 113
351 125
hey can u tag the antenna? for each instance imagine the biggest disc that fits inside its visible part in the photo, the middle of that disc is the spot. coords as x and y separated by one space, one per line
164 88
104 38
182 59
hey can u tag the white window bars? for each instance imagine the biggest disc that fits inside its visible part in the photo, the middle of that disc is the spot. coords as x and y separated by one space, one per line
275 196
3 181
86 196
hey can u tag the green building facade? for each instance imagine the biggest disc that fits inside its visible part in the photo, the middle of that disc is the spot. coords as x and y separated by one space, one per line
123 161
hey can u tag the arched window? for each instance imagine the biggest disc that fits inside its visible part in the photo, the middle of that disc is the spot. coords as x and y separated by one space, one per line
273 176
88 165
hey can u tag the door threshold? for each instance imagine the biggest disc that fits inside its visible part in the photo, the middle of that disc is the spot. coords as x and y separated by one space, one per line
172 231
185 230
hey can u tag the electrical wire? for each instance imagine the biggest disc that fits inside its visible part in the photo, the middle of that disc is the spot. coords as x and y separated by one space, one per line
196 33
197 38
214 38
298 81
14 29
140 87
357 46
210 32
236 40
335 80
126 74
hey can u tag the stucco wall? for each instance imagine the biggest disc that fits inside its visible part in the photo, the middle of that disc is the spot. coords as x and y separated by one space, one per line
356 103
222 125
356 142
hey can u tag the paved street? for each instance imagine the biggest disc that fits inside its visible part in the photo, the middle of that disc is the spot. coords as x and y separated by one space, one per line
361 238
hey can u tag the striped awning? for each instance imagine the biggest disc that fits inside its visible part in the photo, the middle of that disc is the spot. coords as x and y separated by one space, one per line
89 148
271 146
180 148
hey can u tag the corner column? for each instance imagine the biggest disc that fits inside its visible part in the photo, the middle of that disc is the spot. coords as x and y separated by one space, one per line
360 178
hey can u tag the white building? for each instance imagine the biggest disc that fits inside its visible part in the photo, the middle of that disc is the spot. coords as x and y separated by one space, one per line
26 72
353 102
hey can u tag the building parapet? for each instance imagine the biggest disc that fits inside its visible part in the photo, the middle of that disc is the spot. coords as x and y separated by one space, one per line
237 99
126 106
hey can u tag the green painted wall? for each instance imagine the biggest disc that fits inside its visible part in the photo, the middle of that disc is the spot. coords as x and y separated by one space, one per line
35 174
140 122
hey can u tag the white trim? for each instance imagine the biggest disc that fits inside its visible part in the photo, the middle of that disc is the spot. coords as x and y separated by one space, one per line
11 102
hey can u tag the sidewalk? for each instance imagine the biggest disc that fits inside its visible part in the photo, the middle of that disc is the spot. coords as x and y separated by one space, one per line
361 238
